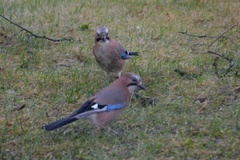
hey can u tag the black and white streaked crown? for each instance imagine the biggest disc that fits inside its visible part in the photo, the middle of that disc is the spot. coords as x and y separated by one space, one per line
102 29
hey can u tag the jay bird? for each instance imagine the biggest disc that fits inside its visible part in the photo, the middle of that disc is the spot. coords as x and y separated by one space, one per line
105 105
109 54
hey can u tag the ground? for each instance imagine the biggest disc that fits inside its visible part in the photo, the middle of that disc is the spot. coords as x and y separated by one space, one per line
197 93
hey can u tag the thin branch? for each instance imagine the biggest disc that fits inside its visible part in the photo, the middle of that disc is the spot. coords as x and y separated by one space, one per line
229 69
206 36
198 36
223 34
37 36
230 61
220 55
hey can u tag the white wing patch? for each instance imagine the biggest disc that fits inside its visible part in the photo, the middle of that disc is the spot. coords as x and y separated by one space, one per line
95 106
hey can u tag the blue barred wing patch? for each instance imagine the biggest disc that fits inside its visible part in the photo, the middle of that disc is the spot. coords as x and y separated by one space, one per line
113 107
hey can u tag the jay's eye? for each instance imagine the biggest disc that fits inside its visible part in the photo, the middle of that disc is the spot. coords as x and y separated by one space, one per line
134 80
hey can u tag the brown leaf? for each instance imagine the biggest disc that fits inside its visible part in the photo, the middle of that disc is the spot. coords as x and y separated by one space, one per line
47 114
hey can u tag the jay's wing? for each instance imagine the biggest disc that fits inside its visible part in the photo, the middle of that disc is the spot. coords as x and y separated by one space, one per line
121 51
127 55
64 121
88 108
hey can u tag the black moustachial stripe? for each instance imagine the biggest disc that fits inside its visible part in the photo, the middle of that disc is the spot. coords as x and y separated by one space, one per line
99 39
132 84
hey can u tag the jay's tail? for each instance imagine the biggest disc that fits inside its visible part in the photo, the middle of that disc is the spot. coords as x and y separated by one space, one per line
58 123
133 53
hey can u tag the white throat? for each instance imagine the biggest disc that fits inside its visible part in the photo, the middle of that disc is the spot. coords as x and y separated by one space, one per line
131 89
103 43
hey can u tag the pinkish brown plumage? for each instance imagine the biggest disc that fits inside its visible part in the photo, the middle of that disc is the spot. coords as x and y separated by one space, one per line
105 105
109 54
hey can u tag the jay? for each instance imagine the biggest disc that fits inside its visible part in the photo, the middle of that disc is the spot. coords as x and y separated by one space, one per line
105 105
109 54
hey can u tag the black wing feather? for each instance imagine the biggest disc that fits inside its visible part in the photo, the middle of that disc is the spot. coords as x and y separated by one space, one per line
58 123
133 53
87 106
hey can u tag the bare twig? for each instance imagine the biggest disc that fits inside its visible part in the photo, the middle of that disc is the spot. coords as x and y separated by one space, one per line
37 36
229 69
209 50
220 36
206 36
220 55
198 36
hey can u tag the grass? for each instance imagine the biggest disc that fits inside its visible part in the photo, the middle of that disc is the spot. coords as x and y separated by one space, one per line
50 80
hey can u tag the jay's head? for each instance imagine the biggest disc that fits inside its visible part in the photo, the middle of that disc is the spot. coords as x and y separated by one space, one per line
133 81
102 34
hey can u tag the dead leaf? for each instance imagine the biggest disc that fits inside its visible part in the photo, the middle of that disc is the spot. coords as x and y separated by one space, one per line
47 114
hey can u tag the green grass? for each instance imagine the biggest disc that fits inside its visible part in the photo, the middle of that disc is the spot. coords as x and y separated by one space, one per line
53 79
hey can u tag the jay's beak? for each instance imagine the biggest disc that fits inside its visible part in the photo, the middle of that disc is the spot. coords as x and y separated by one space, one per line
142 86
103 38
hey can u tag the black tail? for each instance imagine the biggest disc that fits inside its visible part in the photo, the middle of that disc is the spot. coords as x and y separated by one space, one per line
58 123
133 53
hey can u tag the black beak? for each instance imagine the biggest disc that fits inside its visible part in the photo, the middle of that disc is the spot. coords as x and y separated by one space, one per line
142 86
